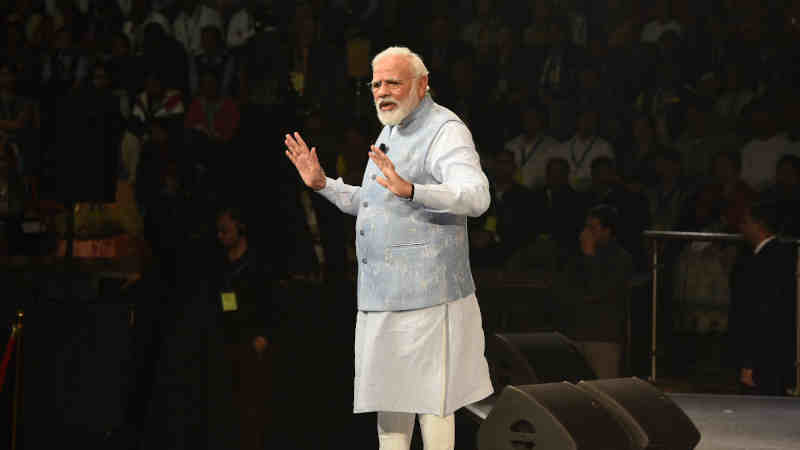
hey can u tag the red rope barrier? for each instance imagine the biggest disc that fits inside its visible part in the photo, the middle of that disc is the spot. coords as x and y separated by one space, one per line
7 357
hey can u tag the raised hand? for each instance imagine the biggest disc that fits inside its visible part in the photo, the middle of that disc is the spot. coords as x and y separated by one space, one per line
305 161
390 180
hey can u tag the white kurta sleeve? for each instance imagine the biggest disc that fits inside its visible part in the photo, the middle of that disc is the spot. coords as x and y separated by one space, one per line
344 196
455 164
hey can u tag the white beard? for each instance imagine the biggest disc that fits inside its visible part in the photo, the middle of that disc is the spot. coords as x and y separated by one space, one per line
402 110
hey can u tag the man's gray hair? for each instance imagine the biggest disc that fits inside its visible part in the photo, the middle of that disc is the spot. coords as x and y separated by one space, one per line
417 66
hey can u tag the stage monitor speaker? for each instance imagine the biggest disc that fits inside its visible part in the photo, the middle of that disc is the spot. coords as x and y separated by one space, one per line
553 416
530 358
651 419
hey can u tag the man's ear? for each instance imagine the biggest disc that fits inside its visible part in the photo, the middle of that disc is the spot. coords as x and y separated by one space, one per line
423 86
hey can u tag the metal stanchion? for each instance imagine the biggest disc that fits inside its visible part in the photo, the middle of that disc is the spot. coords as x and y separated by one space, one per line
17 380
654 313
796 392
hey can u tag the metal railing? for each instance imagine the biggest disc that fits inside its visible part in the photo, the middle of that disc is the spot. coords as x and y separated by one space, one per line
656 236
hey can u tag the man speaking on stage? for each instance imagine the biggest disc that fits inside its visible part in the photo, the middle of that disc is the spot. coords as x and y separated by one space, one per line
419 341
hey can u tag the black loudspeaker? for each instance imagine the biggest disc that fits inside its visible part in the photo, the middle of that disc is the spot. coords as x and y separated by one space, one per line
553 416
651 419
530 358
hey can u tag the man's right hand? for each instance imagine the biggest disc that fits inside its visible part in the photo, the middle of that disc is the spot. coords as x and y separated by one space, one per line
305 161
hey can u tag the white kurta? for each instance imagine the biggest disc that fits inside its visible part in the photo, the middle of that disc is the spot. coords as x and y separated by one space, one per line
426 361
429 360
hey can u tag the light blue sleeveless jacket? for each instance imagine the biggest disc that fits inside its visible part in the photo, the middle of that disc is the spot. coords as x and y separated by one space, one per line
409 257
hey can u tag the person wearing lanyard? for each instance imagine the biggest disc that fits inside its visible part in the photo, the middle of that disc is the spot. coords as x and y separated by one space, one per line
533 147
584 148
242 292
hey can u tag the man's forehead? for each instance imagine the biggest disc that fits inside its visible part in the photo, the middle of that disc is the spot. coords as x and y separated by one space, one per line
392 65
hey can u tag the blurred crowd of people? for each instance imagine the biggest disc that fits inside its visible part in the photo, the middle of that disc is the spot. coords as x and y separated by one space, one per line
677 114
595 120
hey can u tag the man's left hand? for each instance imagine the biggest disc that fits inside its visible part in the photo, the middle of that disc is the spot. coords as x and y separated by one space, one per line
390 180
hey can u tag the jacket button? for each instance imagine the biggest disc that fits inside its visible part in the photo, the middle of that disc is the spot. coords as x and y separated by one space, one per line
361 232
364 261
365 204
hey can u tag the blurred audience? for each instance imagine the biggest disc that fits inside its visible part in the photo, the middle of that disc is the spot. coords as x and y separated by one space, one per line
670 196
769 143
785 194
212 113
533 148
584 148
677 116
509 222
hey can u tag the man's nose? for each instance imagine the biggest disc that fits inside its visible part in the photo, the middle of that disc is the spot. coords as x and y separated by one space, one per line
382 91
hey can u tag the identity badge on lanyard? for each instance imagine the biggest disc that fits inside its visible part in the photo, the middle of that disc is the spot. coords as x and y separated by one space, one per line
228 296
524 158
578 163
229 302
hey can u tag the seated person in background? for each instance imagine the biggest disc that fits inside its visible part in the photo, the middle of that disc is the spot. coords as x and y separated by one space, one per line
762 313
668 199
632 207
157 100
593 291
786 195
770 143
211 113
702 139
583 148
242 290
214 57
728 190
559 220
532 149
508 223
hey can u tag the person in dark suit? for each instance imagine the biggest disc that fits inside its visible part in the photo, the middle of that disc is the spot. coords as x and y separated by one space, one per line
763 302
508 224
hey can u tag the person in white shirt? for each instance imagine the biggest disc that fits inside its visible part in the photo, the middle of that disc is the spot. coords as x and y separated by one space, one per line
760 156
533 148
189 23
241 28
583 148
419 340
662 22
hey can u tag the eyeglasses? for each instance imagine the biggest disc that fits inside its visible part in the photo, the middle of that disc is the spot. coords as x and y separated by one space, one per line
392 84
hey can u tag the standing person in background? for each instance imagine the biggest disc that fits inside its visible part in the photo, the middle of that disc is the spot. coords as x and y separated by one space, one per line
763 302
250 318
419 340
